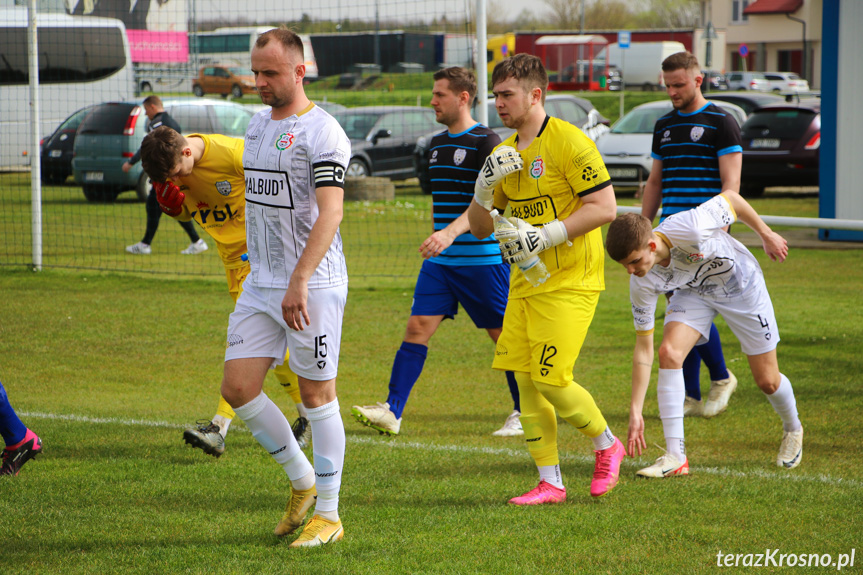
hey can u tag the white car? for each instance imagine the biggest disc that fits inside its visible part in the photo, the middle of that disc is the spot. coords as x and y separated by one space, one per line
747 81
626 148
786 82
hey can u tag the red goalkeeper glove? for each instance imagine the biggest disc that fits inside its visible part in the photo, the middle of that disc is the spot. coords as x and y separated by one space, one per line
170 198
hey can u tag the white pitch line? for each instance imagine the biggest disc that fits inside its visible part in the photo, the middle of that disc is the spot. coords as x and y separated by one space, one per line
447 448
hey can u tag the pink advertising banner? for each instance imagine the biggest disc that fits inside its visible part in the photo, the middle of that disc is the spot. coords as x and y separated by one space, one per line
158 47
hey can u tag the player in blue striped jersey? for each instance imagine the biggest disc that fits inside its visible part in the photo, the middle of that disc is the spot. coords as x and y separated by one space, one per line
456 262
697 154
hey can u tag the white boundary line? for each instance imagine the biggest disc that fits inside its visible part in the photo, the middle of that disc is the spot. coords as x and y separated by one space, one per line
447 448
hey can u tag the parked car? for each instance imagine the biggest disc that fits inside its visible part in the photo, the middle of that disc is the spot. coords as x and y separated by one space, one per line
383 138
786 82
577 111
112 132
749 101
626 149
224 80
57 149
747 81
781 144
713 81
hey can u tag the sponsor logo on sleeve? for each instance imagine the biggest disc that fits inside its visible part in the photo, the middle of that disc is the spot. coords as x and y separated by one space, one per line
589 174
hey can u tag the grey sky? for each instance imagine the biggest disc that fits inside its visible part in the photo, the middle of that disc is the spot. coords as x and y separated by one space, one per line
403 10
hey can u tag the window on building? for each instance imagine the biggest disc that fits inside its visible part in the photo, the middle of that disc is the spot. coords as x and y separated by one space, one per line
737 8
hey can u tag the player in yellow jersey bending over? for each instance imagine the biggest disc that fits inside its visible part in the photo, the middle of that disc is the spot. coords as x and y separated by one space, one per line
201 177
552 177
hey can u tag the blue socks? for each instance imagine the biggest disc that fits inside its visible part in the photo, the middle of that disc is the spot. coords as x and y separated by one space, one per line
11 428
407 367
711 353
513 390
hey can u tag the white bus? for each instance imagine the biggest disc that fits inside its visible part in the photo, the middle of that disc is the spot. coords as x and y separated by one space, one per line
82 61
234 46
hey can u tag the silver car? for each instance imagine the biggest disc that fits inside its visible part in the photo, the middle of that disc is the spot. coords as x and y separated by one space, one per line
626 148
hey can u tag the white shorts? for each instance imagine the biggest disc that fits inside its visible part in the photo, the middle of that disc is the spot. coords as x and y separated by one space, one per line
256 328
750 316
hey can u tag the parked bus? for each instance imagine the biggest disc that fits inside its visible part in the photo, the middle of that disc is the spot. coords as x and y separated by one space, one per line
234 46
82 61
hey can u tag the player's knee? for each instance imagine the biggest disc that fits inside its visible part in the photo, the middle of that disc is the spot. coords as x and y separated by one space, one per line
670 357
768 383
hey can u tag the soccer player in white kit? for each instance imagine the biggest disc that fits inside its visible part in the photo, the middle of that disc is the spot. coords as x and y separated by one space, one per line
711 274
294 161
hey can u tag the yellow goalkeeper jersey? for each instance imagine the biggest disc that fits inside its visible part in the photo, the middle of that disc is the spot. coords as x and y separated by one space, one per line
215 195
561 166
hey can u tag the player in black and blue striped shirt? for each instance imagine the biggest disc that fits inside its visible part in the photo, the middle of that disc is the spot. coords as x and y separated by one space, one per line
697 154
456 262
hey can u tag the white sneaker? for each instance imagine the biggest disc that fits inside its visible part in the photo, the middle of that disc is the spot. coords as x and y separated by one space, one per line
378 417
511 427
720 393
666 466
140 248
791 450
692 407
196 248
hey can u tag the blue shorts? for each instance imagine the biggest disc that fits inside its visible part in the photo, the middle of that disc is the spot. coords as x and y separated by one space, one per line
481 290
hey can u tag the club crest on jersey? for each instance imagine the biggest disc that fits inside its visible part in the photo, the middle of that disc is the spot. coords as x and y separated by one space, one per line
537 168
284 141
459 156
224 187
696 133
695 258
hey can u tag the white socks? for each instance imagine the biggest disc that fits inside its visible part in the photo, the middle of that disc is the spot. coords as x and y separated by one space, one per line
272 430
604 440
223 422
785 405
670 394
301 410
328 447
551 474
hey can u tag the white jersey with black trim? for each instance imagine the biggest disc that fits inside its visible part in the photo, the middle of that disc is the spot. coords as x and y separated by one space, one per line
705 260
285 161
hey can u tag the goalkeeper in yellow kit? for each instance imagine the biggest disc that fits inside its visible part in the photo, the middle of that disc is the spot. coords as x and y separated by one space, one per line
554 181
200 177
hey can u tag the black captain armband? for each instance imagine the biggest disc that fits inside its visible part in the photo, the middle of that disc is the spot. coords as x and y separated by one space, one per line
329 174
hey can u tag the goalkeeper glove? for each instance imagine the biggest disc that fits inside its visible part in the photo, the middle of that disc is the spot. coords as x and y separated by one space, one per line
170 198
502 161
524 240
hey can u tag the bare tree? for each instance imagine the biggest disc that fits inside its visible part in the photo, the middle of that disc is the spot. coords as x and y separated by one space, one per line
608 15
566 14
497 21
670 14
